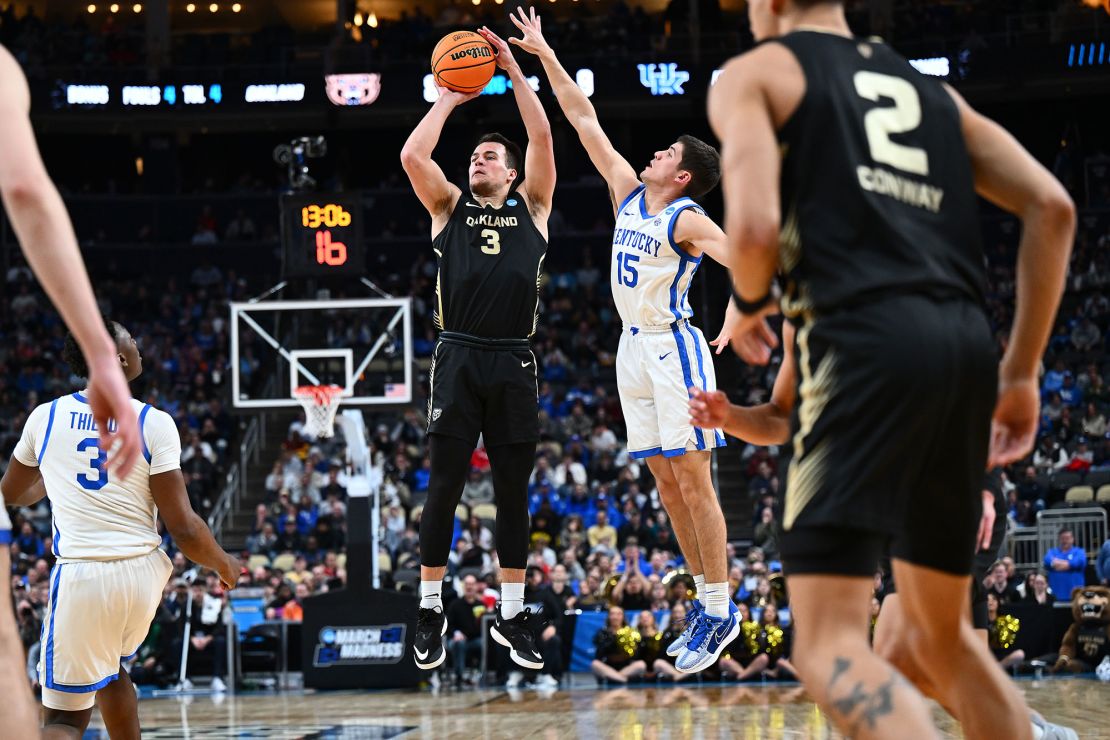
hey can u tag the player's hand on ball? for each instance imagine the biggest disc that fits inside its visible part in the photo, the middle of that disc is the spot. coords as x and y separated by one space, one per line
453 98
530 25
505 58
229 573
1014 426
708 409
110 398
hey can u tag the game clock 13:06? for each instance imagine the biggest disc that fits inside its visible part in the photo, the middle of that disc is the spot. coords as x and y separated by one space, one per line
321 235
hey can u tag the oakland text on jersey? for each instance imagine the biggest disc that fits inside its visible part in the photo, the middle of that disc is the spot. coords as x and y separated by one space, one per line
488 219
636 240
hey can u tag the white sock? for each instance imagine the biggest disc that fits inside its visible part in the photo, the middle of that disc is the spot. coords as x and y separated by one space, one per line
699 584
512 599
716 600
431 595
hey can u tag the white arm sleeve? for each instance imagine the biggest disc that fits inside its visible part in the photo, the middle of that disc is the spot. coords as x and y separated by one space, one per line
163 442
28 447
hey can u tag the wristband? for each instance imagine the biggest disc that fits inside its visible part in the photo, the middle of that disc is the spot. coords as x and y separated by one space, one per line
751 307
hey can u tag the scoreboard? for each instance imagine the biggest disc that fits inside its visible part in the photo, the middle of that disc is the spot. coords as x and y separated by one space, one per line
321 235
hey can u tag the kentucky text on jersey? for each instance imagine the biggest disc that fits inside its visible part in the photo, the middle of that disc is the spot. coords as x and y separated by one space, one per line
636 240
911 192
487 219
86 423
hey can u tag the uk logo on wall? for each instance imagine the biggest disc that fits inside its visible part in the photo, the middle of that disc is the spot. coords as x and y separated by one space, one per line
664 78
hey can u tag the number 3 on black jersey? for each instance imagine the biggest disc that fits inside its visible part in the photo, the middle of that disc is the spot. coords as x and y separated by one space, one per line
493 241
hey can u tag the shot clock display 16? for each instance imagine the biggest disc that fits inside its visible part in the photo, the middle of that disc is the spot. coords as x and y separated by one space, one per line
321 235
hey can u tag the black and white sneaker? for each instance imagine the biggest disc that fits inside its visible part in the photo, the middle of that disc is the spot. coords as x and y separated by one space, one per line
427 646
519 635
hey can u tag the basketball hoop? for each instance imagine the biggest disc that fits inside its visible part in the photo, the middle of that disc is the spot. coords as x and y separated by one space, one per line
320 403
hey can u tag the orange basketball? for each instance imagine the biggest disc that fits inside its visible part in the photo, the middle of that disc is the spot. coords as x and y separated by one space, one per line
463 61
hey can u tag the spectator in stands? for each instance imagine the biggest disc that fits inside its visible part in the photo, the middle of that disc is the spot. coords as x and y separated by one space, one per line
590 596
477 534
767 534
265 542
1102 565
616 649
763 597
293 611
29 541
1065 565
478 489
997 582
1013 580
464 626
207 636
1049 456
332 488
560 588
570 472
1094 422
602 533
1030 489
289 539
632 591
1036 591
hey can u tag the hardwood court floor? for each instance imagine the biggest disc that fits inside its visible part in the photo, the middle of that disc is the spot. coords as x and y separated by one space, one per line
638 713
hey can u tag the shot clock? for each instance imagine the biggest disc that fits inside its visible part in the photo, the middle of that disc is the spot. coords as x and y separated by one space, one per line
321 235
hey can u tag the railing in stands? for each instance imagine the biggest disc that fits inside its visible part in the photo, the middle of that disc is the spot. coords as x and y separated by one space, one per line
235 485
1028 545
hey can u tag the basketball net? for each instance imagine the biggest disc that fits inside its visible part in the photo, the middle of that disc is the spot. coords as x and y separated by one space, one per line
320 403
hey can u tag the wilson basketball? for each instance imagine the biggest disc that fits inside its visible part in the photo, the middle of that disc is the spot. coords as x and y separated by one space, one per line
463 61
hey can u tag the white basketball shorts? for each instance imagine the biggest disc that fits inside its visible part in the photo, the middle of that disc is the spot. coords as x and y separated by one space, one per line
98 614
655 369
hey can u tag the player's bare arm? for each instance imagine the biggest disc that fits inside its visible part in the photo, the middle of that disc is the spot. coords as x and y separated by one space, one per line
745 110
697 234
1009 177
538 187
766 424
436 194
578 109
22 485
188 530
46 235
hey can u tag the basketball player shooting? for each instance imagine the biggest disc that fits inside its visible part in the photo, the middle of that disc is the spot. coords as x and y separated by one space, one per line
898 378
46 236
490 243
660 237
110 572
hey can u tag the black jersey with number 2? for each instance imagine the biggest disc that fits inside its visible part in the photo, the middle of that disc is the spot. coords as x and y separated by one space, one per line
489 267
877 189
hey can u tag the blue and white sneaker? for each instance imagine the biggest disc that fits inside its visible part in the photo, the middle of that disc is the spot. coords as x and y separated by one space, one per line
693 615
709 640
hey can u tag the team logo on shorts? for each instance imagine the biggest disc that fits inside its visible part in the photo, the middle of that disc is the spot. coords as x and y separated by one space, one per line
511 202
436 413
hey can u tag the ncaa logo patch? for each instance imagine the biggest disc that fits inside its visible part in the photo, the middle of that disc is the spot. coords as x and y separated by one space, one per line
436 413
669 211
511 202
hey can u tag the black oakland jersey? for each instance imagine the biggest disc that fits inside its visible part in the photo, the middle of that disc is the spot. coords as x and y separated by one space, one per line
489 267
877 189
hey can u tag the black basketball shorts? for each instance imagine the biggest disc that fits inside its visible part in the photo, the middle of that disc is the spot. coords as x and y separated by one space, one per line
483 386
890 436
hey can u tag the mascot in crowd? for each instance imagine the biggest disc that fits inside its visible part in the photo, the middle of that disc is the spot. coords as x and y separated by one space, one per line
1086 644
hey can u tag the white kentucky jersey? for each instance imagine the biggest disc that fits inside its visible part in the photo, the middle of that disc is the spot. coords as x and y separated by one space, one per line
651 274
97 516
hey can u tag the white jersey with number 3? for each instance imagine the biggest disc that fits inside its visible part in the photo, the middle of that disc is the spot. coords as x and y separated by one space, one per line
97 516
651 274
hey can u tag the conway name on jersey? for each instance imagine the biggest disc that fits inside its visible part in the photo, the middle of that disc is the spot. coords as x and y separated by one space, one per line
97 516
